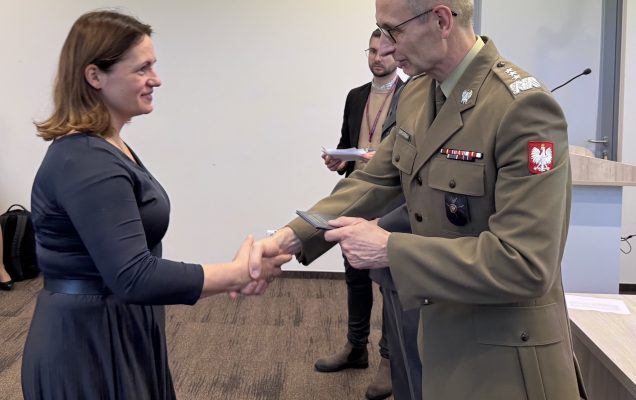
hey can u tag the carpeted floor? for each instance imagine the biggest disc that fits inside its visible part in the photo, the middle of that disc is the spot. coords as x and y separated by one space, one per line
252 348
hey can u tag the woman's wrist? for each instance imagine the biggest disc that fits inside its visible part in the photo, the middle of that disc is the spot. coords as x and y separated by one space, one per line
226 277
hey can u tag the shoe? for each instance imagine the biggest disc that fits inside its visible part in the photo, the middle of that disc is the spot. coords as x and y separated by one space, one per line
348 357
8 285
381 387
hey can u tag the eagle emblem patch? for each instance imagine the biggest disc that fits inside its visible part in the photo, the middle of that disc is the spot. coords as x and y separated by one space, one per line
540 157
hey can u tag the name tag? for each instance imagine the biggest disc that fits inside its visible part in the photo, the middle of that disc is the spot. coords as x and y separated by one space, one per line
404 135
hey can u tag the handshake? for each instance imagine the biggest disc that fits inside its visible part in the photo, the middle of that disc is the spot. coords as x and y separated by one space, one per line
254 266
257 263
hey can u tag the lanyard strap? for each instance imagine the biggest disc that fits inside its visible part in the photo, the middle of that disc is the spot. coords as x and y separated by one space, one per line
377 117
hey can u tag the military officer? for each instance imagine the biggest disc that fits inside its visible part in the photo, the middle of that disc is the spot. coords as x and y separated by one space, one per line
480 153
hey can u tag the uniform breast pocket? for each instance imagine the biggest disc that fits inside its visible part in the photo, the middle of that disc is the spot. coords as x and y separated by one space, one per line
404 152
457 182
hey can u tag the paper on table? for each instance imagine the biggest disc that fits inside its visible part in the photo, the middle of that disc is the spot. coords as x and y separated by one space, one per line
596 304
352 154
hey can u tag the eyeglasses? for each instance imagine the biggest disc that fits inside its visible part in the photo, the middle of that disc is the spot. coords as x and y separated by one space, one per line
371 52
387 31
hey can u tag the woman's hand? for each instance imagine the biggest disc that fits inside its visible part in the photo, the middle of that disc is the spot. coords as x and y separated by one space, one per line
257 275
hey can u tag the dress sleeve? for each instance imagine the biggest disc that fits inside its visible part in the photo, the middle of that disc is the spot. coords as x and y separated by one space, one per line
96 191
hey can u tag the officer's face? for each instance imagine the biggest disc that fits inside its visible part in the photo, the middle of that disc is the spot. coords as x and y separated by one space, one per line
416 48
380 65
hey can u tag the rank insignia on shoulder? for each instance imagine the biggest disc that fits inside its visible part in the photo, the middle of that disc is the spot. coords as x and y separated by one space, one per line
524 84
540 157
512 73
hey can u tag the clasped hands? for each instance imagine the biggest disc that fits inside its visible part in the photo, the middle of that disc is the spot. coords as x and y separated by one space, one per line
257 264
362 242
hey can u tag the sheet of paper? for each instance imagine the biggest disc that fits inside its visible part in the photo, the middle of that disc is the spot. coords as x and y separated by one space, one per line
595 304
352 154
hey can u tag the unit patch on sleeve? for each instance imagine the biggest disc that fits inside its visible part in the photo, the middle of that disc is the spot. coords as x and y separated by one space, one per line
540 157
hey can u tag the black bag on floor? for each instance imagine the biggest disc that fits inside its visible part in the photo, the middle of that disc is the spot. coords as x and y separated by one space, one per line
18 243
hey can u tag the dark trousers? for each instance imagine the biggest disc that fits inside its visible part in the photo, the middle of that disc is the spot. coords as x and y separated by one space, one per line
406 367
359 304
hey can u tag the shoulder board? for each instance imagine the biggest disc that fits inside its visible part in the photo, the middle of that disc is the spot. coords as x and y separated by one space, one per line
516 80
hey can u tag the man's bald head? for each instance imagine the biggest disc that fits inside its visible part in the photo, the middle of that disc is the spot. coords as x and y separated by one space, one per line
463 8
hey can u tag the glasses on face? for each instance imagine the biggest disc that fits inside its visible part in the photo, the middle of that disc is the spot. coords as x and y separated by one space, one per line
371 52
387 31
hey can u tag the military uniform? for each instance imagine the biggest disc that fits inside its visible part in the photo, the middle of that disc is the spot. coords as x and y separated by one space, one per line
400 325
487 184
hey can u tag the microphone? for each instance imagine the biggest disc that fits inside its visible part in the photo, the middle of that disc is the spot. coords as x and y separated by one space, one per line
586 71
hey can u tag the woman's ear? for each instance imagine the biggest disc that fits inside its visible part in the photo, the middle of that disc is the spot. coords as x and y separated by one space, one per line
93 76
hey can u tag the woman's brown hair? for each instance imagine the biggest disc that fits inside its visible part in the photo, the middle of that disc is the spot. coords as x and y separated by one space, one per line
100 38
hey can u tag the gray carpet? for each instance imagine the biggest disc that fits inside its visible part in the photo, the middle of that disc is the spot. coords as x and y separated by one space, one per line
251 348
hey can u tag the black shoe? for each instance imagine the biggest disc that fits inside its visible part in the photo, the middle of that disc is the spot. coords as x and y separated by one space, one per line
8 285
381 387
348 357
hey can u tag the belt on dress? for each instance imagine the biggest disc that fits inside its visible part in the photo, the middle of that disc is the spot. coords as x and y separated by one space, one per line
76 286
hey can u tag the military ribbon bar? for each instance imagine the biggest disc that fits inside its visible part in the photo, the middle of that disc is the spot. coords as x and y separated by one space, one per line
464 155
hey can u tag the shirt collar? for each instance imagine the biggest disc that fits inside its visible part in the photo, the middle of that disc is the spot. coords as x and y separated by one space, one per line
449 83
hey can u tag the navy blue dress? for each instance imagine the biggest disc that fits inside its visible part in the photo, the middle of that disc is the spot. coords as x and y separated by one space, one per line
99 215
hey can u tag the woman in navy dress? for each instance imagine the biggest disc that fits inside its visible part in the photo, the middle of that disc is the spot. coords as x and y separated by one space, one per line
99 217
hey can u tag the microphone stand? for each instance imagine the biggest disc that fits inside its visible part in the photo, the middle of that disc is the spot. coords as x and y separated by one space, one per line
586 71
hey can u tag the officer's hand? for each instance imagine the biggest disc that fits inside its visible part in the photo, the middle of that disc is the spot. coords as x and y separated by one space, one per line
362 242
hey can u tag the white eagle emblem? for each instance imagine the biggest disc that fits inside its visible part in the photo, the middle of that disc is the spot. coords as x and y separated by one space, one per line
466 95
542 158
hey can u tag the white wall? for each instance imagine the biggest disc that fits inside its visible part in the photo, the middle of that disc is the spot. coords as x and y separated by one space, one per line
628 262
251 91
554 41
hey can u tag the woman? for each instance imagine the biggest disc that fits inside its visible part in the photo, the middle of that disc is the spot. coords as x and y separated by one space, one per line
99 217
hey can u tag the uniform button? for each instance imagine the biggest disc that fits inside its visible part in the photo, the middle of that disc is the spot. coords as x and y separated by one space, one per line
418 179
525 336
501 64
397 158
418 217
452 184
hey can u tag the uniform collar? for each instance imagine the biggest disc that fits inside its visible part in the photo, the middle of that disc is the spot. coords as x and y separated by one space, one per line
450 82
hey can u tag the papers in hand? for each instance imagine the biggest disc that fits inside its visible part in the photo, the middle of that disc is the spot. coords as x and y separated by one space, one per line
352 154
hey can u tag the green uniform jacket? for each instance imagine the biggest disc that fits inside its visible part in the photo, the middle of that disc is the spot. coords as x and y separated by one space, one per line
493 321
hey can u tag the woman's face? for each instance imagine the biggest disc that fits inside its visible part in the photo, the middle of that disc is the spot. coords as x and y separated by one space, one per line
127 88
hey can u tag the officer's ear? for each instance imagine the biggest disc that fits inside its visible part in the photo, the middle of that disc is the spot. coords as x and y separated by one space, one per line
445 19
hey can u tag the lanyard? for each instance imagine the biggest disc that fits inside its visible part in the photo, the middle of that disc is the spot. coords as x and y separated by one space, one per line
377 117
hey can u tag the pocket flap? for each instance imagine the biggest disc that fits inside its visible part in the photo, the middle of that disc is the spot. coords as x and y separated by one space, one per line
454 176
517 326
404 153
